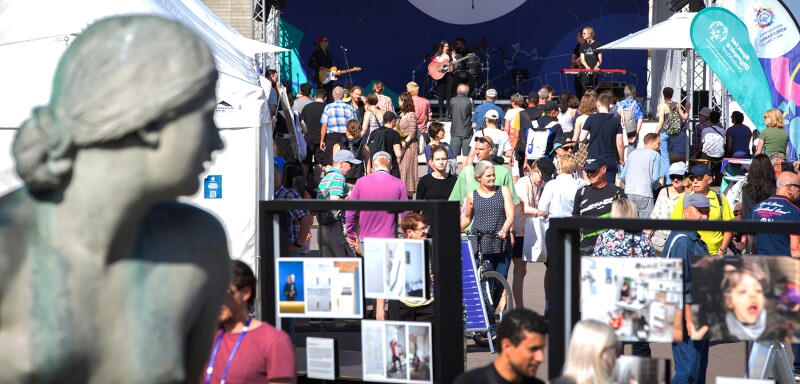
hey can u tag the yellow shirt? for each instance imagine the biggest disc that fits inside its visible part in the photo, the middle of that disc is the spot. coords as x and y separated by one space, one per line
712 239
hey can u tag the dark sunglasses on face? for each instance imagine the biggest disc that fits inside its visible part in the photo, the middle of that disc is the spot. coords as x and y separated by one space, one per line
696 177
737 213
481 140
676 177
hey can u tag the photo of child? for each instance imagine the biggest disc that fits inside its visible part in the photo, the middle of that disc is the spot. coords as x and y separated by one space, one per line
734 298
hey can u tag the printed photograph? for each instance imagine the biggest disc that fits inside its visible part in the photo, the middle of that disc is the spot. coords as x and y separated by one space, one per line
372 350
639 298
396 366
291 286
419 353
319 287
747 298
395 269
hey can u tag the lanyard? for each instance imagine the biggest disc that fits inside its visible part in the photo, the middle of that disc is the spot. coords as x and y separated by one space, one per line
210 368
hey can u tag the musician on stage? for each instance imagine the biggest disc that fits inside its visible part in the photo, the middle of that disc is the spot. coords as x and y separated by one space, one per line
591 58
445 84
576 63
460 47
321 58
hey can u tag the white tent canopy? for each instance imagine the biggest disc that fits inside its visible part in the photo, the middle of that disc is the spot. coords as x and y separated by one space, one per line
672 33
34 34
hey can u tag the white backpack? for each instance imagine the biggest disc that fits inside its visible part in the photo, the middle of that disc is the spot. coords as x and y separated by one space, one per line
628 120
536 145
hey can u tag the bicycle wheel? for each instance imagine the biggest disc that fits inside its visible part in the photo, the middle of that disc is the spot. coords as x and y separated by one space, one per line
493 284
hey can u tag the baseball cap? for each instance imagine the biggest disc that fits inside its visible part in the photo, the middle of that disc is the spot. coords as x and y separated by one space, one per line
697 200
678 168
381 154
491 92
700 169
593 164
345 155
492 114
280 162
550 106
706 111
546 168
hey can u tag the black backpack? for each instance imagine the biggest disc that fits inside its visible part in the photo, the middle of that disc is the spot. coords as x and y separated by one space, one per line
377 141
357 148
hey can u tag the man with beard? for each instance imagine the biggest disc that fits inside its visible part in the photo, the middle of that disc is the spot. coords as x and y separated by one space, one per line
522 337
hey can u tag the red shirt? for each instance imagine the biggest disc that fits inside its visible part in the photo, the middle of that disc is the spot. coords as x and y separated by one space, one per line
264 354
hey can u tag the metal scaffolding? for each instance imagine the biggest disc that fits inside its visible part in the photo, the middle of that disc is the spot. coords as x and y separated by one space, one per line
265 27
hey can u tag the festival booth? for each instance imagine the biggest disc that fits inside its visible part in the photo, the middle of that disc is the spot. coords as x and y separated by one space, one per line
33 37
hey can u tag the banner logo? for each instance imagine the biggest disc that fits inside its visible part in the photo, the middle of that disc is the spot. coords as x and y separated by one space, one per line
764 17
717 31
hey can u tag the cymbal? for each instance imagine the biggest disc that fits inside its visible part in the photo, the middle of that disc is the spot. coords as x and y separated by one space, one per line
481 46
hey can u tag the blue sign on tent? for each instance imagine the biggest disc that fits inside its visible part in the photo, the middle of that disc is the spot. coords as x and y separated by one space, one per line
212 187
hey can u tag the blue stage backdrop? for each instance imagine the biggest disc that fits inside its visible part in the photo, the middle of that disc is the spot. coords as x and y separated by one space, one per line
387 38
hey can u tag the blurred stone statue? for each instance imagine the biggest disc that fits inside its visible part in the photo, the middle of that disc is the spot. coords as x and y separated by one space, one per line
104 277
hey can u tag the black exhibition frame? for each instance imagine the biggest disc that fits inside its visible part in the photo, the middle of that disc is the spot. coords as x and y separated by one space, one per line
443 217
564 289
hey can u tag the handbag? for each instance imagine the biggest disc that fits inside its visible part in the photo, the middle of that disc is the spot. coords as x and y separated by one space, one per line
533 247
583 151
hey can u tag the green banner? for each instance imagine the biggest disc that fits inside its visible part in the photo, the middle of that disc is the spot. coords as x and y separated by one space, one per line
723 42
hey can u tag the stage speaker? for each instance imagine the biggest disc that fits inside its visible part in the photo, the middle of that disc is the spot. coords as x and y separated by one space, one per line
699 101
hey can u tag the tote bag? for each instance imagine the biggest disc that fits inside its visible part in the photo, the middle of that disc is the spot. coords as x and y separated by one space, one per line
533 246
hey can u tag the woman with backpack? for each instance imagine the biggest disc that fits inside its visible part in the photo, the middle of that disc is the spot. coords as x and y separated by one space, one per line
670 124
353 142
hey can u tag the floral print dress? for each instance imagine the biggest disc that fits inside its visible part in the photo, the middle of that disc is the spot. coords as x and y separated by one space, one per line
620 243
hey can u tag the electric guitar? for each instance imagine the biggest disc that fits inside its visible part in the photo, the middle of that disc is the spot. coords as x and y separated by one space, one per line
326 75
437 70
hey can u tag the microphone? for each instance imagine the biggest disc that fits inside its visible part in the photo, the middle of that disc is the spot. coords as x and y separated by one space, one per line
343 48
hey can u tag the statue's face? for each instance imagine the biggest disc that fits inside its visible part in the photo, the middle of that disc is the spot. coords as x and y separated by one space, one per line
186 144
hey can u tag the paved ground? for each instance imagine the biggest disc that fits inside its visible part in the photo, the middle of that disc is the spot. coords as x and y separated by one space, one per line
724 360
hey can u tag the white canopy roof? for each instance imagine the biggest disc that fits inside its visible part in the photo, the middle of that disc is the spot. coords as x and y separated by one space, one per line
672 33
34 34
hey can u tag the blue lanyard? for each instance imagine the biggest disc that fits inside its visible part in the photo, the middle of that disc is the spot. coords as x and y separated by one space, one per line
210 368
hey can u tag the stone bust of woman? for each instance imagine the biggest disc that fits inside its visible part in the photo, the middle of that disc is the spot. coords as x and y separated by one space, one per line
104 277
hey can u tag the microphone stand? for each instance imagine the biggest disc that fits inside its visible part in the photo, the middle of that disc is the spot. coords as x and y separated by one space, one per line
347 64
424 61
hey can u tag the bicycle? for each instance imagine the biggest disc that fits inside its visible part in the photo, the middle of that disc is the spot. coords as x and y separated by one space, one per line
492 285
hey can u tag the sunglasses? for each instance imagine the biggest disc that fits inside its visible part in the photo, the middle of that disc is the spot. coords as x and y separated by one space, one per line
481 140
590 172
737 213
676 177
696 177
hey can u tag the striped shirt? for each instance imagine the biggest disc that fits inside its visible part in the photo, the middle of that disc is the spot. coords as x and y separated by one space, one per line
333 184
336 115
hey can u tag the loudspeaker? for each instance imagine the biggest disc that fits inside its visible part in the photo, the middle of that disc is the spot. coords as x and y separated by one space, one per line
617 88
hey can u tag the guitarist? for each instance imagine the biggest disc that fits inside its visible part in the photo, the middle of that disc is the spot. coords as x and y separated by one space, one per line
321 58
444 85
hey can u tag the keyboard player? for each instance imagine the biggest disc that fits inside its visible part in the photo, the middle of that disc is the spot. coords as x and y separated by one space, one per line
591 58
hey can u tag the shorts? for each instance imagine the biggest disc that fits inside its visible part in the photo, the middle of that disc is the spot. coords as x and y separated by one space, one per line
516 253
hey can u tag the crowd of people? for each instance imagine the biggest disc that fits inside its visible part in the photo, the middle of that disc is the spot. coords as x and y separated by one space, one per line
547 156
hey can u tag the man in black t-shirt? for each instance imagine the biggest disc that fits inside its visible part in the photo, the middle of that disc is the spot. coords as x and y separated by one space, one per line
524 119
604 133
385 139
591 58
594 200
522 337
310 120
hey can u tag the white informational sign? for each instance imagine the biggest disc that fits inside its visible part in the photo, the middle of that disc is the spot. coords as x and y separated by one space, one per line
739 380
638 297
394 269
320 358
396 351
319 287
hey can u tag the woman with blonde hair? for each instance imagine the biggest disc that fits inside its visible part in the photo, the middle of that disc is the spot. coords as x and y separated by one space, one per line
422 107
619 242
593 351
773 138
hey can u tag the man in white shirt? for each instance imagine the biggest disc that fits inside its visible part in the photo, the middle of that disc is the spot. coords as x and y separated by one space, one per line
502 145
713 138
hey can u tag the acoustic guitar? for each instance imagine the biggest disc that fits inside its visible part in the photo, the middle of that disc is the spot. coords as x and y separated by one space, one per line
326 75
437 70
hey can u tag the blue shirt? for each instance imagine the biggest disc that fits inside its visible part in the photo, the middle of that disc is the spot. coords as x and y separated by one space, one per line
638 114
684 245
480 112
775 208
336 115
